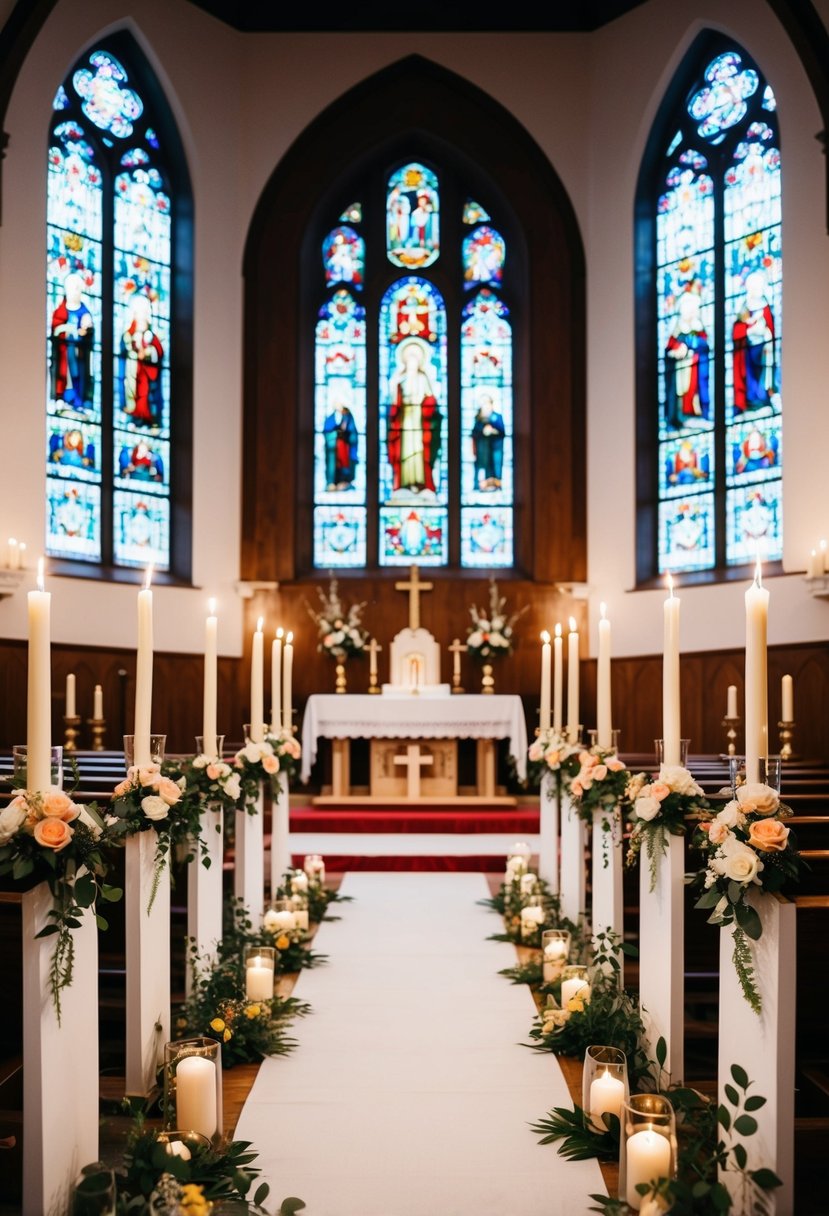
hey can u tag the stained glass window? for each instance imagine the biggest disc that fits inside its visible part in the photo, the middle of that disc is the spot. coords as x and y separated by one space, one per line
108 428
385 489
718 263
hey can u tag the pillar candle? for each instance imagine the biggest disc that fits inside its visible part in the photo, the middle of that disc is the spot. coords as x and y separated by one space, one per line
731 702
787 698
98 702
607 1093
648 1157
258 981
546 657
69 708
39 704
757 716
571 988
572 681
196 1108
257 693
21 555
604 712
814 567
670 678
288 666
211 658
558 671
276 682
144 673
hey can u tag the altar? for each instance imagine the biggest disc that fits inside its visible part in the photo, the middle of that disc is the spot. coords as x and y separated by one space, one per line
412 724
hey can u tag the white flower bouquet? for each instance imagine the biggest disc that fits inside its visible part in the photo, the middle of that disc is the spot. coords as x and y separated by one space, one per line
341 633
491 634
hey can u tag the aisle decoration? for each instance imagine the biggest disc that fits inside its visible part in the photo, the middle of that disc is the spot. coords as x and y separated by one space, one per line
46 837
659 809
599 787
746 847
296 884
550 751
259 762
209 781
240 932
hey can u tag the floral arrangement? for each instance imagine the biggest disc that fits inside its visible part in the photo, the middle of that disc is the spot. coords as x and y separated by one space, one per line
147 799
256 763
340 632
310 887
210 781
659 809
747 847
48 837
239 932
490 635
553 752
287 749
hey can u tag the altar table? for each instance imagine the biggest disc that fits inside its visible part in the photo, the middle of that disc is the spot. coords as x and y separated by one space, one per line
360 716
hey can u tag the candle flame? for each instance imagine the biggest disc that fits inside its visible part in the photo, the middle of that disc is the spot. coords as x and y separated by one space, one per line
545 637
41 563
148 577
572 624
670 582
558 631
289 638
211 607
12 541
758 573
280 633
603 611
260 624
823 545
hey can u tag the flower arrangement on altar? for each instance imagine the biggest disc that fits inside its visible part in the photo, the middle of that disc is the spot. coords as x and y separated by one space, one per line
747 847
341 634
491 635
46 837
659 809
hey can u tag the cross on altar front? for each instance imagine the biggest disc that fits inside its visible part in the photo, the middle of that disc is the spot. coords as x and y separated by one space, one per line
414 761
414 588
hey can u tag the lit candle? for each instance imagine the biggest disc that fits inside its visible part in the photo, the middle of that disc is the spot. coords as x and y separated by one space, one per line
546 676
814 567
787 697
288 666
39 704
648 1157
607 1093
177 1148
300 913
555 959
98 703
572 682
558 672
12 554
604 713
144 673
757 716
196 1108
571 988
258 980
372 659
211 659
257 694
276 682
670 678
824 557
731 710
69 709
21 555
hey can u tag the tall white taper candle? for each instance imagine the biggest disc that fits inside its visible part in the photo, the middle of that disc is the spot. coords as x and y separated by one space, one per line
731 702
757 713
70 707
39 703
546 656
287 674
558 674
276 682
144 673
787 699
604 711
670 678
257 691
211 659
572 682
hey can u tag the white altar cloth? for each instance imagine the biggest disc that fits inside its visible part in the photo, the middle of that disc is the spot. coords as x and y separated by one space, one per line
360 716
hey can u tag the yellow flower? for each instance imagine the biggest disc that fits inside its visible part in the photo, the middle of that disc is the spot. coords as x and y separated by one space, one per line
227 1035
252 1011
283 942
217 1024
577 1003
181 1023
192 1200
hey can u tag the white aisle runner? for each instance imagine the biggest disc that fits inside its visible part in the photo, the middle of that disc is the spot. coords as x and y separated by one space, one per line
408 1094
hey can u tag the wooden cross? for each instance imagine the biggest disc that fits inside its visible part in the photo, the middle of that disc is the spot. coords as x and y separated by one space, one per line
414 588
414 761
456 650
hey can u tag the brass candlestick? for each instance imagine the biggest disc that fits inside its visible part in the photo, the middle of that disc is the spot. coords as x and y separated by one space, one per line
786 732
70 733
340 681
730 725
373 686
98 727
487 679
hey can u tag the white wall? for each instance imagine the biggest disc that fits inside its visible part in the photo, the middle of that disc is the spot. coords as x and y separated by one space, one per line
588 101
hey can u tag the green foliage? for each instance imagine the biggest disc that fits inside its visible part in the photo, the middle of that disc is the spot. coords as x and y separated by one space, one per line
239 932
575 1135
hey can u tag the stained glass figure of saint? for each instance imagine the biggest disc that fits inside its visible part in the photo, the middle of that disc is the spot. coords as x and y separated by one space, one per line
688 368
341 439
412 217
414 420
72 335
140 360
755 371
488 434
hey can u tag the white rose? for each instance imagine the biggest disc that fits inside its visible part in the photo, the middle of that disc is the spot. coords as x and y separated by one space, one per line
754 796
251 753
269 921
299 882
741 864
154 807
517 865
475 639
527 883
731 815
85 817
233 786
11 818
679 780
718 833
201 761
647 808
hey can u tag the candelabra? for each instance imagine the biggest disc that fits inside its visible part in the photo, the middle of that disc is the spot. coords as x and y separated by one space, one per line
98 727
71 732
786 732
730 725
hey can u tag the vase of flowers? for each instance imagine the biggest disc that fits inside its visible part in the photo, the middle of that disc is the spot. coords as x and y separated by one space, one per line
341 633
491 636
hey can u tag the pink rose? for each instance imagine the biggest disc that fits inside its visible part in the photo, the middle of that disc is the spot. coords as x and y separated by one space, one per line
270 764
168 790
659 790
293 748
57 805
536 751
717 831
615 766
768 835
53 833
599 772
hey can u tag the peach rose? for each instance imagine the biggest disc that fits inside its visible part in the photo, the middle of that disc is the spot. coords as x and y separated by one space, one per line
576 788
554 759
768 835
293 748
214 771
122 788
615 766
270 764
57 805
599 772
717 831
659 790
536 751
53 833
759 798
149 776
168 790
586 759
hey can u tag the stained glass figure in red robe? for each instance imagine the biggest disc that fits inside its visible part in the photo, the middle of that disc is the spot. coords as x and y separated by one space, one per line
140 360
414 423
71 364
688 394
340 433
755 370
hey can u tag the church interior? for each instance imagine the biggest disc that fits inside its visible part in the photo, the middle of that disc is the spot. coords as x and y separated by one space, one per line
414 646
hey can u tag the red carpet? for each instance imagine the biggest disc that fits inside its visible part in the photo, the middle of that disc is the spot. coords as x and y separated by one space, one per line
521 821
340 864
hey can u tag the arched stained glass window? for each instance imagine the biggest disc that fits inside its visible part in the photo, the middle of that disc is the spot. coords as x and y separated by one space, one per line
420 470
110 215
717 277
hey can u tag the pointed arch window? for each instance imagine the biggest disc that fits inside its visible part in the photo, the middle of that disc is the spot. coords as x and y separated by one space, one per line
117 280
712 499
413 356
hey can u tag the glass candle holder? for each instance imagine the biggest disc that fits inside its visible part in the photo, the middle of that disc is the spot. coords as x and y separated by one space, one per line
573 981
771 768
520 849
299 882
532 917
314 867
555 954
20 766
248 736
220 746
178 1143
528 883
279 918
604 1086
94 1192
157 745
647 1147
659 748
260 963
299 907
193 1086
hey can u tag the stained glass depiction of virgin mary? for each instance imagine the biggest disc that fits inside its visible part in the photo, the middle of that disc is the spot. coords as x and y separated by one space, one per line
414 426
412 217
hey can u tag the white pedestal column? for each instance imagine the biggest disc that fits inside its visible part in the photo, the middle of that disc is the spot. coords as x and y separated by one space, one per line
60 1063
764 1046
662 953
148 962
548 847
280 832
606 877
572 884
204 887
249 868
